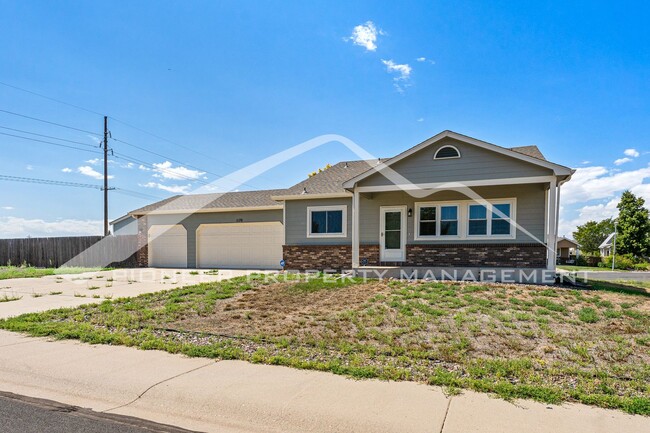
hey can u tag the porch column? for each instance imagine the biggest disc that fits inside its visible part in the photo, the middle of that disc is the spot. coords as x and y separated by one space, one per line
355 228
551 238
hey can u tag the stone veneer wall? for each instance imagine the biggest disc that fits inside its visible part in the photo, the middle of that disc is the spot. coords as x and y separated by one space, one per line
320 257
142 256
477 255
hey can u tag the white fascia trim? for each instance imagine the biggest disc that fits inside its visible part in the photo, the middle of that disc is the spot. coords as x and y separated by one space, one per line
207 210
557 169
469 183
311 196
344 222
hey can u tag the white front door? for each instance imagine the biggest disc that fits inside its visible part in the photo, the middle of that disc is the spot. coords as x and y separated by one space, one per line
392 233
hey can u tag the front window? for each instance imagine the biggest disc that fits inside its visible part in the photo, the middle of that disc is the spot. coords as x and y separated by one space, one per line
326 221
477 220
428 221
465 219
448 220
501 219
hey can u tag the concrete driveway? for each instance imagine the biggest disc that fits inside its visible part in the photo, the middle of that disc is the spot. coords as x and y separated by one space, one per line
70 290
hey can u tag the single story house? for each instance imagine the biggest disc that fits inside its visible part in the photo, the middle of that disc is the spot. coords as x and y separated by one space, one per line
567 250
450 202
607 247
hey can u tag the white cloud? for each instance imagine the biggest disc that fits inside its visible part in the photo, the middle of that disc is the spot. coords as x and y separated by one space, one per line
167 171
29 167
421 59
585 162
594 192
365 35
403 71
7 207
176 189
421 119
622 161
87 170
143 168
12 227
66 170
93 161
632 152
596 183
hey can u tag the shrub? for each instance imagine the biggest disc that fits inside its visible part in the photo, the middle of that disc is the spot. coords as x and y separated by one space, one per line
622 262
642 267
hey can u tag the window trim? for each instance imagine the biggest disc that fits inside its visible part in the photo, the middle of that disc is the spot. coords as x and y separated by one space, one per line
344 222
463 220
435 155
438 205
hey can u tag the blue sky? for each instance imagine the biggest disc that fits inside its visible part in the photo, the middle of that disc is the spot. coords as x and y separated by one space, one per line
237 82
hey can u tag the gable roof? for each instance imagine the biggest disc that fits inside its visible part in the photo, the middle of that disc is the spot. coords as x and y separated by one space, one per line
214 202
608 241
523 153
564 238
332 182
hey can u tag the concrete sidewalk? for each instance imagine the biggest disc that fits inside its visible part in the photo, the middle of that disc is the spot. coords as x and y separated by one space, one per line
234 396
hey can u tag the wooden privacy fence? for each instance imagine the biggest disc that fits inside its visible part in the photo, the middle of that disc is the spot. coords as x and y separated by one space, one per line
85 251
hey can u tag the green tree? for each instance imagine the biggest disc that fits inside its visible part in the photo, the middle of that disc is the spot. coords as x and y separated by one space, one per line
633 226
591 234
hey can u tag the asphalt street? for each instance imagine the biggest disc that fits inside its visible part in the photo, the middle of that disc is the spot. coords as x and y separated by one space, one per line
20 414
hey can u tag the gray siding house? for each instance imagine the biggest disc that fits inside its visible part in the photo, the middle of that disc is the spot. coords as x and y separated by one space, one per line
450 203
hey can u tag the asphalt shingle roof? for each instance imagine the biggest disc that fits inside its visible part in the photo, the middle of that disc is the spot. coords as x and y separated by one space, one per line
529 151
226 200
329 181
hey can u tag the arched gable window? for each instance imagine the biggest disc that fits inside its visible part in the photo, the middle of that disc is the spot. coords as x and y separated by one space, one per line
447 152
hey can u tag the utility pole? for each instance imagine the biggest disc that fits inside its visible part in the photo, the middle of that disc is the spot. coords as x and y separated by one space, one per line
105 175
614 250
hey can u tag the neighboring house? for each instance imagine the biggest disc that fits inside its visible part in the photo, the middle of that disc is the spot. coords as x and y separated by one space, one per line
567 250
124 225
451 202
606 248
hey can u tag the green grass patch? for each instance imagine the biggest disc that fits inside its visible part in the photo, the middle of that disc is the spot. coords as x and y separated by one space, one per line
546 344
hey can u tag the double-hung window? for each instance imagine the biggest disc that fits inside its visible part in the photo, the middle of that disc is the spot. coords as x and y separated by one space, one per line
501 219
449 220
465 220
481 221
326 221
478 220
437 220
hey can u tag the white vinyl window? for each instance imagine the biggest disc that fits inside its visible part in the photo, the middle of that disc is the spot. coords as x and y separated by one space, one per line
437 220
465 220
327 221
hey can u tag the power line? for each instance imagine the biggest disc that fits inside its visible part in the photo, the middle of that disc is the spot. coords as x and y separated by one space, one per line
75 185
47 136
48 182
177 161
137 194
51 99
50 123
51 143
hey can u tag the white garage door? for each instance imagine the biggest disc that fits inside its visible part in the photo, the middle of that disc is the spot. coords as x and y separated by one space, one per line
167 246
241 245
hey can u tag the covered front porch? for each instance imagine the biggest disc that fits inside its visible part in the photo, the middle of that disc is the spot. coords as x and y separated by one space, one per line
494 224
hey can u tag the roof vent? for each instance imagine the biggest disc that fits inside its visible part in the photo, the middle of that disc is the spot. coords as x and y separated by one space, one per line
304 190
345 165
